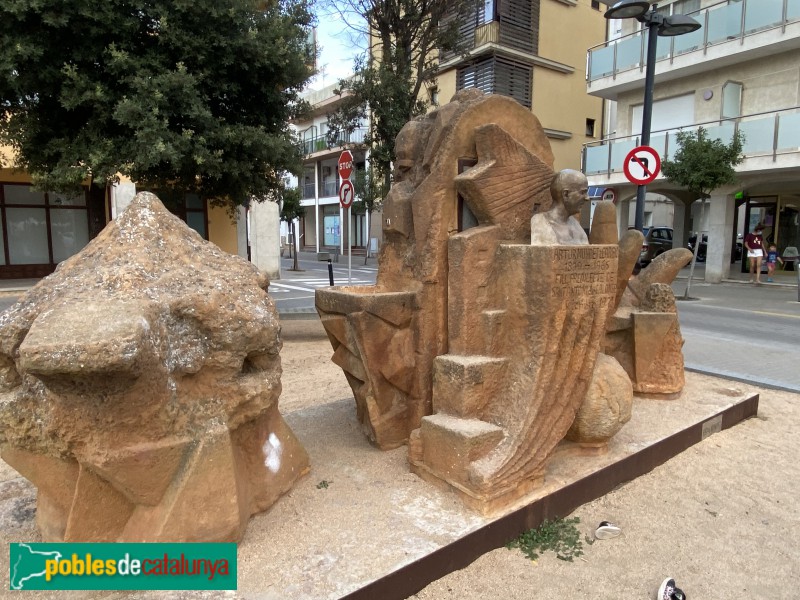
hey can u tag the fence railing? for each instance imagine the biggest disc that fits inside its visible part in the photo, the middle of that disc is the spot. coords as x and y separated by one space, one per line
307 190
320 142
765 134
720 22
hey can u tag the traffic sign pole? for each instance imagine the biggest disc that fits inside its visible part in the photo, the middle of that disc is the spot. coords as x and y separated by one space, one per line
349 248
346 195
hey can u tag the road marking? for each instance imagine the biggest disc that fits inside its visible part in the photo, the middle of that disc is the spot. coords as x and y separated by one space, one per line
741 310
772 314
311 285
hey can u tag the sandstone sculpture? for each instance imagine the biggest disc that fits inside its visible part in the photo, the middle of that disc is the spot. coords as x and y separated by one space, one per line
557 226
482 338
643 331
139 387
386 337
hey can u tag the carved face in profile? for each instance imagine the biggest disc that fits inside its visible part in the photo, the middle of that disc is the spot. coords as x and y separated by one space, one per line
575 191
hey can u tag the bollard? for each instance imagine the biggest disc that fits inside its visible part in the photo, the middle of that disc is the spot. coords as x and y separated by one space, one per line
330 271
797 268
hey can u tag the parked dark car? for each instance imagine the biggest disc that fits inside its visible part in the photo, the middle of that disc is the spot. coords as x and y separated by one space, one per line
701 251
657 240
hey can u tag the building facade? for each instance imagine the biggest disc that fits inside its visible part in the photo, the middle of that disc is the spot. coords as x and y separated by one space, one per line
40 229
739 71
532 51
325 226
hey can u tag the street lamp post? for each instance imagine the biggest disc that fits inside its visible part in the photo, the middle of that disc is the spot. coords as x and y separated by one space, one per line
657 24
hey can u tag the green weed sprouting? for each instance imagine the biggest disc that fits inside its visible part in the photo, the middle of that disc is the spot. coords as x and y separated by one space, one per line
560 535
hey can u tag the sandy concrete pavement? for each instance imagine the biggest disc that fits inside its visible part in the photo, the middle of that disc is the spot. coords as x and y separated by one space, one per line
722 518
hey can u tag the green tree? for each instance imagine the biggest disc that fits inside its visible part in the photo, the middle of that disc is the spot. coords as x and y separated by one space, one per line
701 165
389 80
369 191
181 95
291 210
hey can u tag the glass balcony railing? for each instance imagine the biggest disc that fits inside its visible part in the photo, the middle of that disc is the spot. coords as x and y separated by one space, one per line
320 142
720 22
308 191
766 134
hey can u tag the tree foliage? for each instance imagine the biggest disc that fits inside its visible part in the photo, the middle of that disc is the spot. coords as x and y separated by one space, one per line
402 62
291 210
702 164
369 191
188 95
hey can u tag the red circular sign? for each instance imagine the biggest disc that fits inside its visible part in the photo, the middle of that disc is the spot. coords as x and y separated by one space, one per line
345 164
346 193
642 165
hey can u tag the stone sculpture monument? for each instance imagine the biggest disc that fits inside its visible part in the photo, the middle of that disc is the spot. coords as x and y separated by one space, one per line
139 389
481 341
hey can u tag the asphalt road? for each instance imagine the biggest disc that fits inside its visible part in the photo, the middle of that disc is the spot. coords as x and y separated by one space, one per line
739 331
293 293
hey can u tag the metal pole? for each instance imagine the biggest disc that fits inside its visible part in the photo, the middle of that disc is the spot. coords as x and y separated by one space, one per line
647 108
349 246
330 272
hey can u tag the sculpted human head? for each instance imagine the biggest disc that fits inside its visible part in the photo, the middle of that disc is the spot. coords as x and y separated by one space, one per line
571 188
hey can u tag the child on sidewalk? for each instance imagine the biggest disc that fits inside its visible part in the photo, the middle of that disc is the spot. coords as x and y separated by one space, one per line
772 258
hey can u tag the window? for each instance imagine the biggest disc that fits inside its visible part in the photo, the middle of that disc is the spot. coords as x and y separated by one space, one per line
731 99
590 127
596 4
497 75
38 230
670 113
433 94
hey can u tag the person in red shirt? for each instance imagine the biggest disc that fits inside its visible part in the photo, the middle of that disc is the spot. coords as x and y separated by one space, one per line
754 244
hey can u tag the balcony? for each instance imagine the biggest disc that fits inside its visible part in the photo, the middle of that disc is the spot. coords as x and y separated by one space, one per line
319 143
308 191
771 143
731 32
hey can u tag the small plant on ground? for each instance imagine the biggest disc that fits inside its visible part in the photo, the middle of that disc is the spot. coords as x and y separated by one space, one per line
560 535
323 485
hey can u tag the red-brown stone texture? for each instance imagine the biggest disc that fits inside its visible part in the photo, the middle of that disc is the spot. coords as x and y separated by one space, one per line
139 389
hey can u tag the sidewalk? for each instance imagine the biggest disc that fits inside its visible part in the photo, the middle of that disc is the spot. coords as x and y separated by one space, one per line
782 278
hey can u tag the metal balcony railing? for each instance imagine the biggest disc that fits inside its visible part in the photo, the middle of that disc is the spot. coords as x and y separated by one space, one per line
308 191
767 134
320 142
329 188
720 22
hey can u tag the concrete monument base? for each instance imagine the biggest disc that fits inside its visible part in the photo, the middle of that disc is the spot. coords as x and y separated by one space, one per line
363 526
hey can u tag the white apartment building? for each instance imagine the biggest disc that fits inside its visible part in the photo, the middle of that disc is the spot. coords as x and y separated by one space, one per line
324 225
739 71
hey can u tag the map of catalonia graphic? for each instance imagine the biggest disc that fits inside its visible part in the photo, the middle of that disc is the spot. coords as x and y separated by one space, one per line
27 564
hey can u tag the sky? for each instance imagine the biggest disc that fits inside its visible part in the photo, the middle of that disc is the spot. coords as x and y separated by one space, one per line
337 50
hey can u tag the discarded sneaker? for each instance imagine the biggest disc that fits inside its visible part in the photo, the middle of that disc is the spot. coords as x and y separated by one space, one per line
669 591
606 531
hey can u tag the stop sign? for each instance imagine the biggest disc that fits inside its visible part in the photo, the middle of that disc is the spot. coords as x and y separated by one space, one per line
345 164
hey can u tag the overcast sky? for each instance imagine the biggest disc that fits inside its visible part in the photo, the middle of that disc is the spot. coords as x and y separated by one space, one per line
338 47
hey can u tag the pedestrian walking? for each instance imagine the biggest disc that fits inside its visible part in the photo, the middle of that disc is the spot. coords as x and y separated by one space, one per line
754 243
772 259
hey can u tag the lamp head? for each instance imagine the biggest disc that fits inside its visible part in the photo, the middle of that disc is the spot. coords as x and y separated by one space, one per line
628 9
678 25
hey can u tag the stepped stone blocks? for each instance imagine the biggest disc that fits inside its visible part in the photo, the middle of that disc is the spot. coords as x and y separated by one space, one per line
421 212
139 389
477 346
523 400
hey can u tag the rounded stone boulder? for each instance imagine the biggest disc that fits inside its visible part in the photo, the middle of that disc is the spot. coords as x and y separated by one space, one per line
607 406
